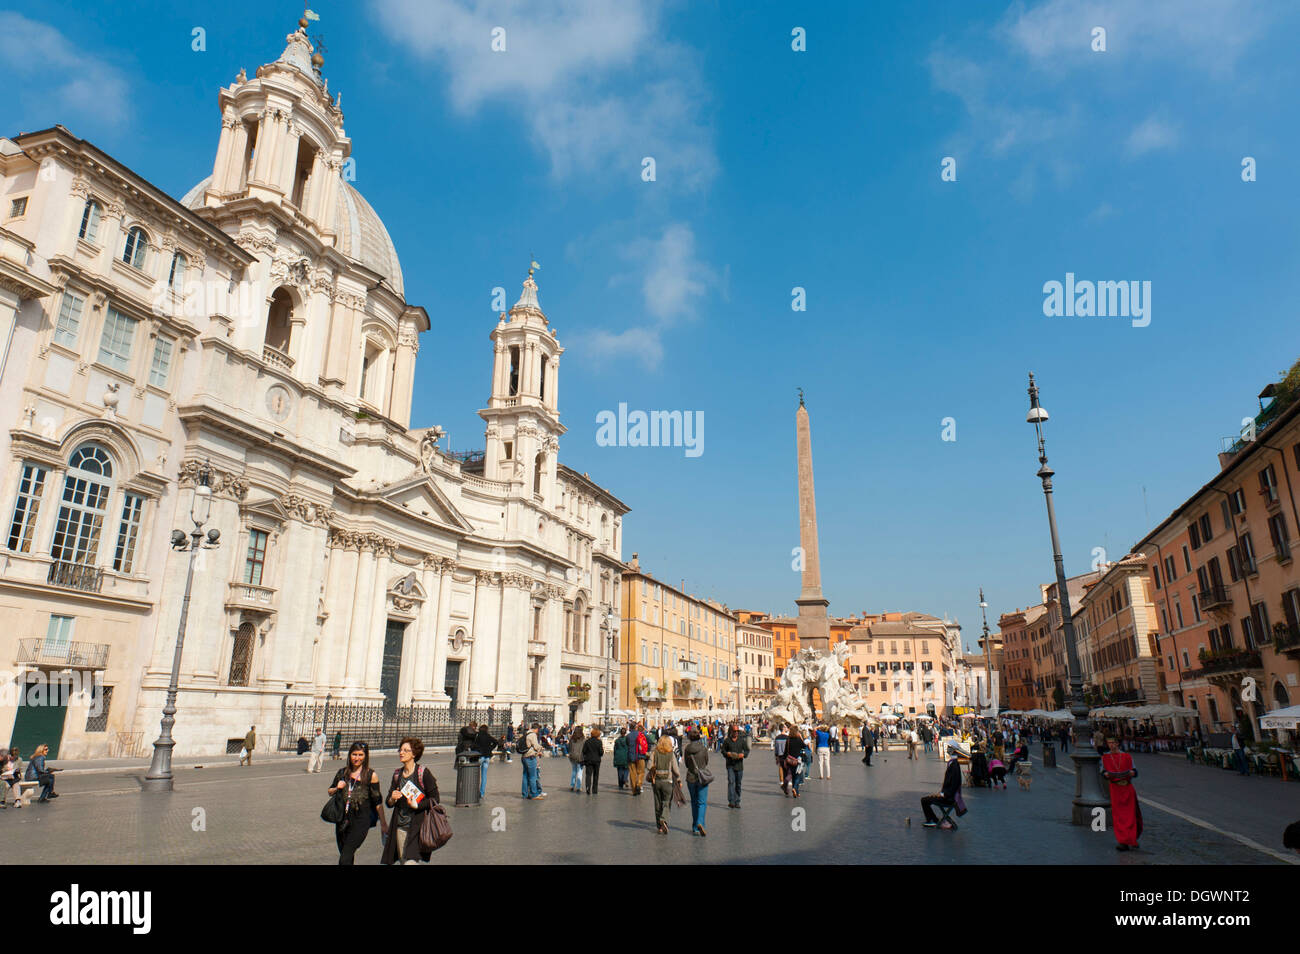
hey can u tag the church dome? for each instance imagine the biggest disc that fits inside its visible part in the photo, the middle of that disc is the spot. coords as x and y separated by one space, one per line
361 234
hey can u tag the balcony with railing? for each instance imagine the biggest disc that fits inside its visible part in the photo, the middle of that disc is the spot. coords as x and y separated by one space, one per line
1286 639
75 576
276 358
1226 663
1215 597
47 654
250 596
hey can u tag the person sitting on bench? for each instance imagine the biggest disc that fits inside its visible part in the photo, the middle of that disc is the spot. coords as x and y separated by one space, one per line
948 797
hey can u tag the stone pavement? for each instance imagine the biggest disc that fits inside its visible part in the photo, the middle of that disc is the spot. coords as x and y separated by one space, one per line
268 814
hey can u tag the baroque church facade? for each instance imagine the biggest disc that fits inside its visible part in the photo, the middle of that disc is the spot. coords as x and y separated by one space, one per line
255 336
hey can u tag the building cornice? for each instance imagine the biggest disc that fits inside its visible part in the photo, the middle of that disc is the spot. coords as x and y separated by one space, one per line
89 160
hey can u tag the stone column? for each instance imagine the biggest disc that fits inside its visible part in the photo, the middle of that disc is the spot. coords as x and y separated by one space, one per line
110 236
384 550
341 344
399 401
289 160
339 591
441 630
221 163
554 389
425 626
483 651
313 196
327 192
230 176
358 636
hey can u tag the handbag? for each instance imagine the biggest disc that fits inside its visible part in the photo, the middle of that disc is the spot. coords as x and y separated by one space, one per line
435 829
335 810
702 775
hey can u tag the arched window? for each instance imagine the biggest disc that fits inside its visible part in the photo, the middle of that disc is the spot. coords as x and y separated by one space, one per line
177 277
278 326
86 489
136 248
579 625
1281 696
90 221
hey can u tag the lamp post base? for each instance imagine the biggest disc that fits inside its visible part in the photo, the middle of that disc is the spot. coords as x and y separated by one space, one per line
159 777
1088 792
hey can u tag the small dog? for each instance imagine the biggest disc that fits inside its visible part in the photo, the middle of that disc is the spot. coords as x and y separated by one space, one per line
1024 777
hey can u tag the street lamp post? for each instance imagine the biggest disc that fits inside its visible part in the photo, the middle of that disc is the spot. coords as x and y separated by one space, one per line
738 696
159 777
610 636
1088 793
988 675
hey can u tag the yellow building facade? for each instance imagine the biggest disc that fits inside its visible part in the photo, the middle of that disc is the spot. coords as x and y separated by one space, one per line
677 652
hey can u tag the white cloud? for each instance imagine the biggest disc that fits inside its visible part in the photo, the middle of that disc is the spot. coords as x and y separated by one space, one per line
53 80
644 344
1149 135
596 86
1203 33
1030 77
673 283
1101 213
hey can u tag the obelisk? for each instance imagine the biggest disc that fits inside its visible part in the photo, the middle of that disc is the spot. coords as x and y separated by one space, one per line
814 627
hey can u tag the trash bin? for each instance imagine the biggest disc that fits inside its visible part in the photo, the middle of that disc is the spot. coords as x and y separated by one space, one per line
467 779
1049 755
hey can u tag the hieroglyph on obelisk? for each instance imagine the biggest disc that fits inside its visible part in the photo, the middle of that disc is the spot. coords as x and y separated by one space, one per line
814 627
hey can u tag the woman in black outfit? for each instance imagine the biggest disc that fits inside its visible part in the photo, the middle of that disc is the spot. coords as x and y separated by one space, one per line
361 785
593 750
408 810
794 747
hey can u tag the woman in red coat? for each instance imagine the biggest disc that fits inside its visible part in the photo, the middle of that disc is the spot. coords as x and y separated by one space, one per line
1126 814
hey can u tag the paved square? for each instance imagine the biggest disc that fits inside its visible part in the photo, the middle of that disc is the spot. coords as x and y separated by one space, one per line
269 814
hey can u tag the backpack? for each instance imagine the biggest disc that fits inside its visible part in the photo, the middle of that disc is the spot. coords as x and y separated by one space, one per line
522 745
642 746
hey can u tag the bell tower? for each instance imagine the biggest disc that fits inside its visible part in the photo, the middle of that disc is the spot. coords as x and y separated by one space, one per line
282 138
523 417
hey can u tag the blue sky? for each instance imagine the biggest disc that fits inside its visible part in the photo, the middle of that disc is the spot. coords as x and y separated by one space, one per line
775 169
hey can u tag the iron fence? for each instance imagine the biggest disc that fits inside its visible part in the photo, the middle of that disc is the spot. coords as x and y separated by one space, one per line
383 727
543 716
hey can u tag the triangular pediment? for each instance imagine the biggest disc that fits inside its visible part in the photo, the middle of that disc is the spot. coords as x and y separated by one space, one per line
267 507
421 496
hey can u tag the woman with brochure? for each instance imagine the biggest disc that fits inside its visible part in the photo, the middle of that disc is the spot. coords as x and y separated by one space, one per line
412 792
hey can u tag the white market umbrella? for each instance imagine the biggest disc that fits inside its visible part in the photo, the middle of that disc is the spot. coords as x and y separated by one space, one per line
1061 715
1288 718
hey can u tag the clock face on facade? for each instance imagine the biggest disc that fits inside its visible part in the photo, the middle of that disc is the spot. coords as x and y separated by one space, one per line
278 401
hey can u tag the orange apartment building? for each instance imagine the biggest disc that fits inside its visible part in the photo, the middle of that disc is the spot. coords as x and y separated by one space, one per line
1118 645
1224 580
1028 662
1019 671
903 664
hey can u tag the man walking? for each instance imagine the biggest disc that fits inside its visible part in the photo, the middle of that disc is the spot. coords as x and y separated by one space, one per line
1239 753
735 748
868 743
317 752
531 750
638 748
250 743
